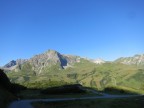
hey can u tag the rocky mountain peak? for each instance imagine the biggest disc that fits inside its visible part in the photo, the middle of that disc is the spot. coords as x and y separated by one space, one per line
50 51
43 61
50 58
10 64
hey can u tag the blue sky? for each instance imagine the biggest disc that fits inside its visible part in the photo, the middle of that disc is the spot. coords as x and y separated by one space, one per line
105 29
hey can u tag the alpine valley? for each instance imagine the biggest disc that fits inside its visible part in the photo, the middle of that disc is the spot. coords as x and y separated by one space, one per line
52 68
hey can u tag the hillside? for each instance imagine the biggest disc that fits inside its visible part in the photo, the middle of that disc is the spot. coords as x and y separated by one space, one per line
51 67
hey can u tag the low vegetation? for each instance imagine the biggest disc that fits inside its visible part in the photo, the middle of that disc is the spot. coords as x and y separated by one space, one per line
43 84
66 89
120 90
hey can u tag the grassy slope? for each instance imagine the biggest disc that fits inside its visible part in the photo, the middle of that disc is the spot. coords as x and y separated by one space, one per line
87 74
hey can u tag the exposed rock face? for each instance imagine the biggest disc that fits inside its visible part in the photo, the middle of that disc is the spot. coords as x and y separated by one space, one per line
50 58
136 60
21 61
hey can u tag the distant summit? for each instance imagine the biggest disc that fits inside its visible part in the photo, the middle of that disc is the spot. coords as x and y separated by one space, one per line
10 64
98 61
135 60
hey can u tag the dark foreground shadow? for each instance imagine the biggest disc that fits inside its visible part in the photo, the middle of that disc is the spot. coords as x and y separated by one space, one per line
117 91
66 89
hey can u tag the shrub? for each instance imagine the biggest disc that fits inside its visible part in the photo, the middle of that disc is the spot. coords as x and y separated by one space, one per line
66 89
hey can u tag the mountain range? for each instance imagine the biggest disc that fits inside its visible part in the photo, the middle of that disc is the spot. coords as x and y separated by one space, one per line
127 72
48 59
